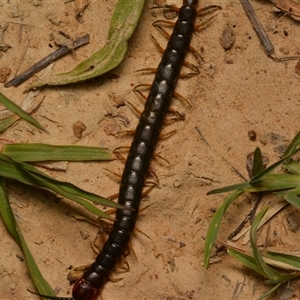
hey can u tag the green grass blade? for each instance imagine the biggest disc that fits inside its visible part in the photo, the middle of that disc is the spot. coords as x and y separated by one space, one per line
250 262
124 20
293 167
293 145
65 186
292 198
267 171
8 121
268 271
215 224
7 214
246 260
19 111
275 182
287 259
271 168
270 292
12 226
230 188
30 175
283 278
258 165
44 152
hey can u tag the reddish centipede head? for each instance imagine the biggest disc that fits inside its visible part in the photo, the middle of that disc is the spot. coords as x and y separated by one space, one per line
83 290
190 3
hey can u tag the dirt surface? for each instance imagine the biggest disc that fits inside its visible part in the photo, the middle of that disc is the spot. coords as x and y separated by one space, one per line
238 90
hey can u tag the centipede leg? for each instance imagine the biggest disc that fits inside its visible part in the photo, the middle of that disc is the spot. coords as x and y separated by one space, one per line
206 8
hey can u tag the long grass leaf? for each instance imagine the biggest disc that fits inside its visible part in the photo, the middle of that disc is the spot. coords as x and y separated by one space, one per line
272 167
44 152
293 167
246 260
283 278
7 214
230 188
12 226
30 175
258 165
19 111
270 292
268 271
8 121
66 186
293 145
274 182
292 198
268 215
287 259
215 224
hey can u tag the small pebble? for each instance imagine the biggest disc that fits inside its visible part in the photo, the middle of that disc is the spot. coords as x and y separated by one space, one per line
4 74
227 39
78 129
252 135
293 220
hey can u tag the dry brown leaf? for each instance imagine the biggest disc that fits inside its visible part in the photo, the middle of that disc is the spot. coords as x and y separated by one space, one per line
291 7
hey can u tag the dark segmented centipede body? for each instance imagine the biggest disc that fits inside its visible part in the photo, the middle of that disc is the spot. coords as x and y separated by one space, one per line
145 139
140 154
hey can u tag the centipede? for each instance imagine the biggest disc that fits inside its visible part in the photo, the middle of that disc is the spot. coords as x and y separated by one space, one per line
145 139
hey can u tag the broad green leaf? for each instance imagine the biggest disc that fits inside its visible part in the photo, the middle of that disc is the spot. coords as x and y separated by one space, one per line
258 165
44 152
12 226
124 20
19 111
215 224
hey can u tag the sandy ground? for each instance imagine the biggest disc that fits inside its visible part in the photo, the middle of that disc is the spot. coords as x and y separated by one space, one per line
237 91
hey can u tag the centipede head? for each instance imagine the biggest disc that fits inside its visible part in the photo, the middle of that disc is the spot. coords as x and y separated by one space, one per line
83 290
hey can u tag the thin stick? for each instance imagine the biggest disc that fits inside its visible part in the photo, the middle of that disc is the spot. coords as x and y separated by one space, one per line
47 61
269 48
